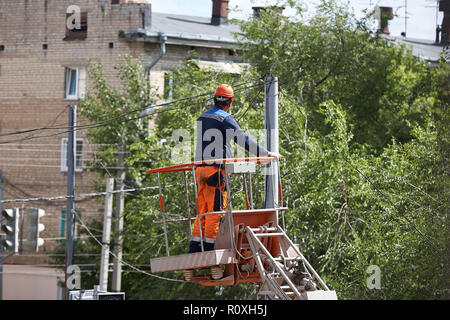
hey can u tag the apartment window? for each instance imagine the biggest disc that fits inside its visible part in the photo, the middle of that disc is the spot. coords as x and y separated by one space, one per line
75 31
71 84
75 83
78 155
62 227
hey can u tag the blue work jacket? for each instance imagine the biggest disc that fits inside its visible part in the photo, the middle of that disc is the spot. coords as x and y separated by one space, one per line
215 130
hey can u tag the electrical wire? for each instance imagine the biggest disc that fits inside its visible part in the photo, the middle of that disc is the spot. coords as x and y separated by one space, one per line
122 261
164 107
87 195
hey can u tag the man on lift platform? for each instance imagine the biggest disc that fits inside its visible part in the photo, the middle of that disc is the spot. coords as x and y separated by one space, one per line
216 128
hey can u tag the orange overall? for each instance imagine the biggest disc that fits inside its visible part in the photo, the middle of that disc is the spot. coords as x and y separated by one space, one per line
211 196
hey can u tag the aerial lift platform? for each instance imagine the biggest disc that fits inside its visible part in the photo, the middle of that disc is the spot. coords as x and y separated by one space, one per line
250 246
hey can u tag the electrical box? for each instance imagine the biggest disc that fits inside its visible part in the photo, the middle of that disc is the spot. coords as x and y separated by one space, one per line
95 295
240 167
111 296
321 295
81 295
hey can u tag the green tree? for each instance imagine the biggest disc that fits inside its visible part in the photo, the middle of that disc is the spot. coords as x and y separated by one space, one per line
334 56
363 127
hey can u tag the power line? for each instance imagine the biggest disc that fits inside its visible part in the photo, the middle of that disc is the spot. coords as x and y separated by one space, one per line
107 121
56 150
124 262
87 195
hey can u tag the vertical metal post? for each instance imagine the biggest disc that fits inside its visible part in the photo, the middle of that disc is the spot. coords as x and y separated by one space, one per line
200 231
188 203
230 211
104 263
196 209
271 126
1 248
71 152
247 204
195 186
251 190
118 226
22 218
406 12
163 215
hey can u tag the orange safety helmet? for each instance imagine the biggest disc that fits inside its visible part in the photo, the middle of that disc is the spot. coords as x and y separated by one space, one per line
225 91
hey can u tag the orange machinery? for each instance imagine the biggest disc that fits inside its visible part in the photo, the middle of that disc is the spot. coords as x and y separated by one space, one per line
250 246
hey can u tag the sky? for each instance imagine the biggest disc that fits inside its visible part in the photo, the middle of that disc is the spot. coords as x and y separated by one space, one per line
420 22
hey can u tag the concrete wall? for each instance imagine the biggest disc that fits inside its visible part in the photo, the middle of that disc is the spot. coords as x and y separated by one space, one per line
21 282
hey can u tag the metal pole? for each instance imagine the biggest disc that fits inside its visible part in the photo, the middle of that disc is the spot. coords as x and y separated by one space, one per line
71 152
104 263
188 203
118 226
245 192
163 213
251 190
406 12
271 126
1 248
162 53
230 212
22 218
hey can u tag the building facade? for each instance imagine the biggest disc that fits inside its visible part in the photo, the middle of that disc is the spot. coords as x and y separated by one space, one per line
45 48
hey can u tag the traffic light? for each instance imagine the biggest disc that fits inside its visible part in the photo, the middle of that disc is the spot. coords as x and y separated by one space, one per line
10 240
34 228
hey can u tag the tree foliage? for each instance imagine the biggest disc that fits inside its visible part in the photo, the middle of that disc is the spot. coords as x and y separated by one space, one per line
363 128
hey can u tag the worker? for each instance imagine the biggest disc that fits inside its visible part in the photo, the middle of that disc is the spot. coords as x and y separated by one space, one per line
215 129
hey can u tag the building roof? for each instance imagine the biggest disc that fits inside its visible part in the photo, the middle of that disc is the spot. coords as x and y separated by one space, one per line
188 30
423 49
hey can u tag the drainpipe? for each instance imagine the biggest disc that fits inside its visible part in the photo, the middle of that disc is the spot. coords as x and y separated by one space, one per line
162 53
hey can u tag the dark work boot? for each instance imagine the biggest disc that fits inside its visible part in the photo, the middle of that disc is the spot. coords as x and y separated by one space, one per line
194 246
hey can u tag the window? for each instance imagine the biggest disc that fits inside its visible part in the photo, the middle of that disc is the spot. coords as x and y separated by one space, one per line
78 155
75 83
62 227
73 30
71 84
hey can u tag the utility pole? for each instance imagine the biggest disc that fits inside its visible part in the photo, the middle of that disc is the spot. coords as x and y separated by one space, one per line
118 226
406 12
71 153
22 219
271 126
1 248
104 263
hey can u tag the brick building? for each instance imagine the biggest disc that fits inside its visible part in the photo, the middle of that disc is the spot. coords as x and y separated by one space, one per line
45 46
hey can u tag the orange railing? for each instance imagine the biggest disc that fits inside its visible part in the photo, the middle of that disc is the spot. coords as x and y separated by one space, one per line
188 166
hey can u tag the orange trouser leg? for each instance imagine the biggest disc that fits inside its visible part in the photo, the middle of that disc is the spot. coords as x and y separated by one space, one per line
209 198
